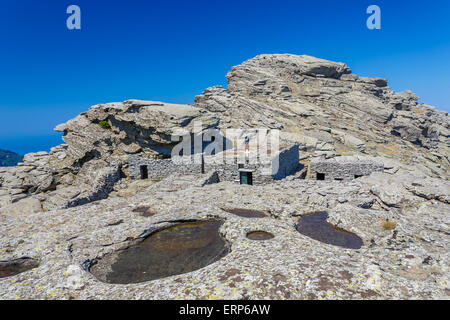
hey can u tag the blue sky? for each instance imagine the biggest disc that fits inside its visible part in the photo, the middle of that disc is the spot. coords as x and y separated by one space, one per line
172 50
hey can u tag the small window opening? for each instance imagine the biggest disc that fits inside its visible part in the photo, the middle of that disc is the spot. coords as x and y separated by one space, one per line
357 176
320 176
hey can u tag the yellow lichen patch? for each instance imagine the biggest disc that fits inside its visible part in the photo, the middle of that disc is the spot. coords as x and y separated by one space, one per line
233 293
389 225
418 110
209 296
297 130
304 162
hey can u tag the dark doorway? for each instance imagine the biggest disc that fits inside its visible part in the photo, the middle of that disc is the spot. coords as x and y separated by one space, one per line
320 176
246 177
144 172
203 164
357 176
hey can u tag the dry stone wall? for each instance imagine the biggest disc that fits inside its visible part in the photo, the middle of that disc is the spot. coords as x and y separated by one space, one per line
162 168
342 169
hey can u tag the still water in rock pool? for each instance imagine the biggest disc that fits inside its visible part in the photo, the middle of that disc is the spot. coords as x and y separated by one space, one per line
14 267
176 250
260 235
316 227
246 213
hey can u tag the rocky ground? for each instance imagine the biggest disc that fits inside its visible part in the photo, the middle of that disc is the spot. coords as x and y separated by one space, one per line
74 204
410 261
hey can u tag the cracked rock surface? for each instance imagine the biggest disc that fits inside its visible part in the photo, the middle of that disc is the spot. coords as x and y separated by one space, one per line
408 262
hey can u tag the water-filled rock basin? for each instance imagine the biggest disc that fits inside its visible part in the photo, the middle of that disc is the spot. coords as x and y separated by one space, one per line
246 213
260 235
144 211
316 227
176 250
14 267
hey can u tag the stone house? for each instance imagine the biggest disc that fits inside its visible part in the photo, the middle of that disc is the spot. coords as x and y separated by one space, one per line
242 166
251 168
343 168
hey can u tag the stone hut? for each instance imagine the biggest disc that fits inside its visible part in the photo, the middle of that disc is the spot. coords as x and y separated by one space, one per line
250 168
343 168
238 166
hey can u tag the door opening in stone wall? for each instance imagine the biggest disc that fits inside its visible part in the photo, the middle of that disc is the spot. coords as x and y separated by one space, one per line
144 172
320 176
203 164
246 177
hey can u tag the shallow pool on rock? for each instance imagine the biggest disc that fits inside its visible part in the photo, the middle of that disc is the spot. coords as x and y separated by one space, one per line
176 250
315 226
144 211
14 267
246 213
260 235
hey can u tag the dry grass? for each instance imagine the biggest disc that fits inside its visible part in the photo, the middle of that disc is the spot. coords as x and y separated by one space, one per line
390 149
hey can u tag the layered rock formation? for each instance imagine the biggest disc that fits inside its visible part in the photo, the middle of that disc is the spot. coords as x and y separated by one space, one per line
98 143
331 111
317 103
84 188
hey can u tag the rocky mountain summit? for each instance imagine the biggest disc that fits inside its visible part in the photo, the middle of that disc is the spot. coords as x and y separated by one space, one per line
331 111
77 202
317 103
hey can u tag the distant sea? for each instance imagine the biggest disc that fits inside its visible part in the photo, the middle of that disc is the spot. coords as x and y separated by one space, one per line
26 144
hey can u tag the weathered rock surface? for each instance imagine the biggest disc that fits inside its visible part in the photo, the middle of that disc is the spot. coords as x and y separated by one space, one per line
408 262
317 103
332 112
87 167
135 126
76 203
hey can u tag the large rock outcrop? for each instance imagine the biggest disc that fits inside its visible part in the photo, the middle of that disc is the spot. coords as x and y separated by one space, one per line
400 212
317 103
95 155
130 127
330 111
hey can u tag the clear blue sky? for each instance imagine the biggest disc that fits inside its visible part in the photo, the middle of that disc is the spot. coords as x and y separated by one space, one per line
172 50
